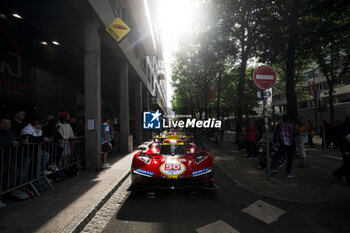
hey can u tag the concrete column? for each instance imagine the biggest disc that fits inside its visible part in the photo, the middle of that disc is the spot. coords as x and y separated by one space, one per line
92 83
124 106
138 112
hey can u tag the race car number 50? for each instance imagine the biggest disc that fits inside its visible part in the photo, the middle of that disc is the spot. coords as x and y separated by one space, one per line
172 169
169 166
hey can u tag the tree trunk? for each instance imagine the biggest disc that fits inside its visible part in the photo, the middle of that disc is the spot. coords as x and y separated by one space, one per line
331 101
240 95
218 99
235 124
292 109
331 87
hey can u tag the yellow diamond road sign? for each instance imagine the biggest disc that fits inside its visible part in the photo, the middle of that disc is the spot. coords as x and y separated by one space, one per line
118 29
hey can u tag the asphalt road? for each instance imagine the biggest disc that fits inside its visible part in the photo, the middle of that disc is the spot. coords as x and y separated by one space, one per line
194 211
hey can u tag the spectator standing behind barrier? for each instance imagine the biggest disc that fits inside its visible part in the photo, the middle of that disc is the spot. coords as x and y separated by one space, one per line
311 133
9 154
50 130
66 131
302 130
285 137
106 142
80 129
73 123
48 119
18 123
33 134
344 145
9 138
250 132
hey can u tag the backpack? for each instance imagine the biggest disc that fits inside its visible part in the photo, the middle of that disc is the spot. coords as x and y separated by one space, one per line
41 184
71 171
57 176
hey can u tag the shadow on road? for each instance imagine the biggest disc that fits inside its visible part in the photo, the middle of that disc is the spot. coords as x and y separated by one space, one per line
163 205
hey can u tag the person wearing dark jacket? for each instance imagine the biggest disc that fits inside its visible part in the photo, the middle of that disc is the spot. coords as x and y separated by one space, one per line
50 130
344 145
286 135
9 143
8 137
250 133
32 133
19 122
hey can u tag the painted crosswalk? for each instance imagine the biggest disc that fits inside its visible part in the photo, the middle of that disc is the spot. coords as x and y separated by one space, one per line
217 227
264 211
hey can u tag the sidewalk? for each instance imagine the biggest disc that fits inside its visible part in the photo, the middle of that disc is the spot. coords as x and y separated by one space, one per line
69 204
311 184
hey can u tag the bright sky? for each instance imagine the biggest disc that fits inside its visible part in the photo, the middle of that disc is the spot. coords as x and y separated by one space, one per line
176 20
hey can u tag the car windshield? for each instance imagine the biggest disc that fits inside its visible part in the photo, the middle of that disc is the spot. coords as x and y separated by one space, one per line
173 149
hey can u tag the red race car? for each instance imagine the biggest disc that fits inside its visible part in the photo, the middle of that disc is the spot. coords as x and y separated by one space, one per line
172 162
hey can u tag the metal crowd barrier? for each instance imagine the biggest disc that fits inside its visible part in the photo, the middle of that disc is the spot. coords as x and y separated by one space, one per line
23 164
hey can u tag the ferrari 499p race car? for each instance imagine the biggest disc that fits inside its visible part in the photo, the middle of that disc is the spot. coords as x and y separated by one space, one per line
172 162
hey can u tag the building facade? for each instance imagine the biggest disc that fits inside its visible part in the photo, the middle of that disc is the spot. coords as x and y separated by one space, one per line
306 99
57 56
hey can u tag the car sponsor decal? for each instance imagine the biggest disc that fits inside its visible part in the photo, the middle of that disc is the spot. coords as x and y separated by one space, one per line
172 168
182 160
143 172
201 172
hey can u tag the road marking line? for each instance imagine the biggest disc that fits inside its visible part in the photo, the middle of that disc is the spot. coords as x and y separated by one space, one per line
217 227
264 211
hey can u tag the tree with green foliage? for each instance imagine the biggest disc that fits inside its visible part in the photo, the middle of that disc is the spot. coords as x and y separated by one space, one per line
194 71
283 38
238 22
330 43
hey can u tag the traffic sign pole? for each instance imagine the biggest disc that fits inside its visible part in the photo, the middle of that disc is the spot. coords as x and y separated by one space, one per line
265 78
267 138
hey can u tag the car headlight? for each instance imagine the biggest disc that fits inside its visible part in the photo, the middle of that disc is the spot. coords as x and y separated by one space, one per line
145 157
200 157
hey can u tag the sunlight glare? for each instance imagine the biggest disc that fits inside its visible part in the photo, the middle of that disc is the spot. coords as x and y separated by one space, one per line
176 19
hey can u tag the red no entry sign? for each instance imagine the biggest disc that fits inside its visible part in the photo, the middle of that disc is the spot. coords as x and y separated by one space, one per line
264 77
